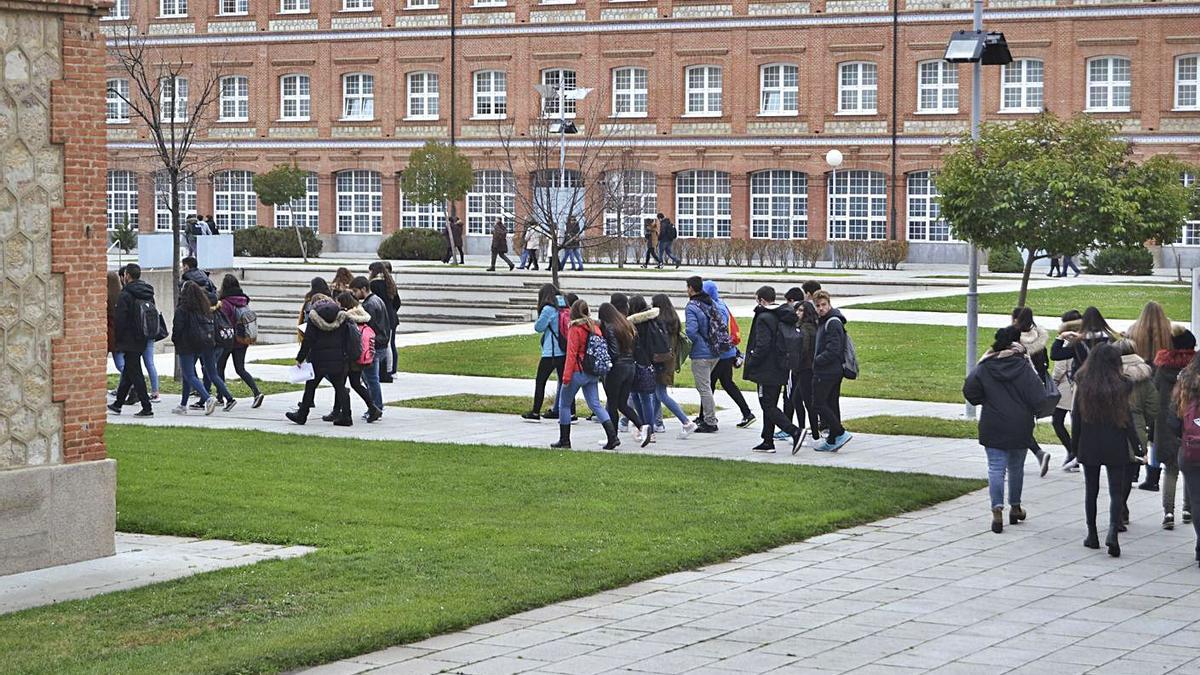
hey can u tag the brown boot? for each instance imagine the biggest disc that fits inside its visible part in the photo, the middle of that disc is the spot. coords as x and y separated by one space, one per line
1016 514
998 519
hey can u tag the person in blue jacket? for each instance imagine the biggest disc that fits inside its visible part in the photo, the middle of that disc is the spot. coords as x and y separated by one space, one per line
728 361
550 301
696 320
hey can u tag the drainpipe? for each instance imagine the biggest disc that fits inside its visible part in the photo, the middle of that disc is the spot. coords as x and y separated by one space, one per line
895 73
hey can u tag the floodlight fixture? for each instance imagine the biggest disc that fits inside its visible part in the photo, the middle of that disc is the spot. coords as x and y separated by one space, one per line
977 46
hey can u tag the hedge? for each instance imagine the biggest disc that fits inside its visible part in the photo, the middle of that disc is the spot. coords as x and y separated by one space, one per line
1005 259
269 242
1136 260
412 244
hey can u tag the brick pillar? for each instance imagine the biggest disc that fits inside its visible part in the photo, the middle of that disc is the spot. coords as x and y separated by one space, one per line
327 204
391 202
739 206
818 205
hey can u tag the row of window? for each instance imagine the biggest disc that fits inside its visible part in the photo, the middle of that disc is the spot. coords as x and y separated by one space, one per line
174 9
1109 89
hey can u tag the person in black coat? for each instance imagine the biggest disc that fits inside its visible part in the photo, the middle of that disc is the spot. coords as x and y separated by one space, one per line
772 350
1167 365
1005 383
828 358
192 273
331 342
1106 432
1077 339
131 339
192 333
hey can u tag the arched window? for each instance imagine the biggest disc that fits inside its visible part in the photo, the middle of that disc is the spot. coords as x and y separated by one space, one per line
359 202
122 199
1191 228
493 195
630 198
162 200
631 92
491 94
423 96
925 222
423 216
235 99
302 212
937 87
1187 80
235 204
117 101
857 205
1109 85
779 89
295 102
1022 84
858 84
702 203
358 96
779 205
559 78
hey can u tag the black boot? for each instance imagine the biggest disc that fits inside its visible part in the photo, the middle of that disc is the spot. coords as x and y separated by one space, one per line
1151 482
333 415
300 416
1093 539
1114 547
373 414
610 429
343 420
564 437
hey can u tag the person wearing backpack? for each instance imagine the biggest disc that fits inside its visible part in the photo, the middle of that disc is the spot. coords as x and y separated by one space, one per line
1065 379
1006 385
801 393
359 319
133 319
670 363
380 323
728 360
192 333
772 353
829 358
383 286
650 225
709 338
667 234
330 343
650 347
233 306
192 273
1185 427
586 364
620 336
553 314
1169 363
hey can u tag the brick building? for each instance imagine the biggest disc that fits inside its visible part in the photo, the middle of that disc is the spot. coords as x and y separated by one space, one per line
727 107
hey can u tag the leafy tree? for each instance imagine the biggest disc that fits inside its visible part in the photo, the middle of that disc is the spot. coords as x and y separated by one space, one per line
1164 203
281 185
437 174
1046 185
124 236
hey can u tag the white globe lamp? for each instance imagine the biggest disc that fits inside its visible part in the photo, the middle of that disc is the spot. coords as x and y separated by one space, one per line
834 158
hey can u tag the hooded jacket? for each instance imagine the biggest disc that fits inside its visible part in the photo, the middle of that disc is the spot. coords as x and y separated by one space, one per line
128 338
577 339
765 364
1168 363
201 279
499 238
1035 341
1009 390
547 325
381 321
713 292
329 341
1143 403
830 351
643 349
667 231
229 305
696 325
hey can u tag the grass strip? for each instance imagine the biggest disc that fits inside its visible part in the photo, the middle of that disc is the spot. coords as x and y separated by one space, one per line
489 403
900 425
169 385
1115 301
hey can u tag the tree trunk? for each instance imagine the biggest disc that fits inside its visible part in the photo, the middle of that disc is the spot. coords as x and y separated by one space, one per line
1025 278
300 240
1178 265
554 257
173 175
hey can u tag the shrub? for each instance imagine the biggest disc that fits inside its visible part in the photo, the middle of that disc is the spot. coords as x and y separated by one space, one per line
886 255
1007 259
1135 260
412 244
807 252
269 242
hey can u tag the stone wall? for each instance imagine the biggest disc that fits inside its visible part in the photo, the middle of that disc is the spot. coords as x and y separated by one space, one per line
56 487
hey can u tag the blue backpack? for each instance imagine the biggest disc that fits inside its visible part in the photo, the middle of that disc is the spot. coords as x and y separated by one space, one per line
596 359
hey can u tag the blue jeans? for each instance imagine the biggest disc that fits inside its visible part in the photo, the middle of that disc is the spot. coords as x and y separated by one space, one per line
370 376
664 397
664 251
191 382
1154 463
646 404
998 462
147 359
571 255
524 258
208 363
591 394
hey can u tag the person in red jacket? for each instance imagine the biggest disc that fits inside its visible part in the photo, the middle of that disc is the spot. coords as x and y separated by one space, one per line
581 329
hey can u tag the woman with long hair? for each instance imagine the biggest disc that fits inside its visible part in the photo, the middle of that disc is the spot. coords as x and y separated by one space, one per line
1106 431
317 287
341 280
668 318
1185 402
1077 339
114 291
618 384
1152 334
649 341
359 316
1066 387
1035 339
802 379
232 298
553 349
575 377
192 331
1168 365
384 285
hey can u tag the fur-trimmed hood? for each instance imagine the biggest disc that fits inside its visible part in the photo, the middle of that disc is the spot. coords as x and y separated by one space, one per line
643 317
1174 358
328 317
1035 340
1072 326
357 314
1135 369
1015 349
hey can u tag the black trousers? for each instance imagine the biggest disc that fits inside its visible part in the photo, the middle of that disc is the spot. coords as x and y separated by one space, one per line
723 373
532 263
827 396
1055 266
354 379
1116 494
337 378
768 400
1058 421
133 379
1191 486
239 366
449 254
800 400
651 253
618 385
503 256
547 365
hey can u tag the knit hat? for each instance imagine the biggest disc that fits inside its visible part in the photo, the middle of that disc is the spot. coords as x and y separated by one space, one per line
1182 338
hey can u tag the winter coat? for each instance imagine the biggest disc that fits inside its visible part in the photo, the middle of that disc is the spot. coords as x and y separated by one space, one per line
309 303
1106 444
1009 390
573 232
1035 342
381 321
1066 384
577 339
229 305
533 239
808 346
201 279
547 325
696 326
1076 352
713 292
615 352
456 229
666 374
191 331
125 318
111 325
765 364
643 350
329 342
359 317
652 234
1143 403
1168 363
830 351
667 231
379 287
499 238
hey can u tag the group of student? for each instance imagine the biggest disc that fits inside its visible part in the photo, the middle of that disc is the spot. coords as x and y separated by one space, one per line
797 347
529 240
1133 400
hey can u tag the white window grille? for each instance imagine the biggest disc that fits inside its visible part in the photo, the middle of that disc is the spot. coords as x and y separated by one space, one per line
937 87
162 200
358 96
857 205
122 199
1191 228
235 7
116 103
177 95
631 92
421 216
295 6
925 222
1187 81
119 10
1022 86
235 98
702 86
491 94
359 202
702 203
1109 84
779 89
422 95
632 197
235 204
172 8
303 212
492 196
559 78
779 205
295 98
858 85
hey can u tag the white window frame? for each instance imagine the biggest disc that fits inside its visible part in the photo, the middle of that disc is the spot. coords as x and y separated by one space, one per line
234 98
779 204
359 197
162 200
703 203
358 5
296 6
857 201
301 99
492 195
116 108
708 95
1190 85
303 212
1023 85
632 100
235 204
496 95
421 4
360 105
172 9
637 192
940 79
421 216
490 3
1190 233
923 210
180 112
121 198
239 7
424 96
556 77
119 10
786 100
860 91
1110 88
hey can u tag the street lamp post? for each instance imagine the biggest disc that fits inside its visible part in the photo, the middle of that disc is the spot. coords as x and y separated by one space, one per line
563 94
834 159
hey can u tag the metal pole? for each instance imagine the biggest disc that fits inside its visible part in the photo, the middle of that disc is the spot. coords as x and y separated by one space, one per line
562 140
1196 300
973 262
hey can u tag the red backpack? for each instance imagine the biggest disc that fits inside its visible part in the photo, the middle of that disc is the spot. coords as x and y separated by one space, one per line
367 356
1189 447
564 324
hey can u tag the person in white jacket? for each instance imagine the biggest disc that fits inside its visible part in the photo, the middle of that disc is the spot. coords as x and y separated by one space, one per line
533 243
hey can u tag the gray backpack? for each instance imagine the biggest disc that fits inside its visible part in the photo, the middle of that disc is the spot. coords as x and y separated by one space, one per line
849 356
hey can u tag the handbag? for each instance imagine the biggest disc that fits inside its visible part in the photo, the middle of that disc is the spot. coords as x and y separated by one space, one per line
644 379
1050 398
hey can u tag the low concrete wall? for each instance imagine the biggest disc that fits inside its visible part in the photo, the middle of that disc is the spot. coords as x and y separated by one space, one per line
938 252
1164 257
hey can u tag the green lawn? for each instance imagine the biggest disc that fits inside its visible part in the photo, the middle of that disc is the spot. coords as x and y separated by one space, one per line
168 385
1123 301
414 540
799 272
897 425
898 361
485 403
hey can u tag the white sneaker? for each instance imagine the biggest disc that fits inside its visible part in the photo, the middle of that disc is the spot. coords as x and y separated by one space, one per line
602 442
179 410
210 405
1071 465
687 430
637 435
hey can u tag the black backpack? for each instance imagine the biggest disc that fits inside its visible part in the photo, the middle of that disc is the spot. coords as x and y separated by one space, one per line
657 342
225 334
788 344
146 321
203 329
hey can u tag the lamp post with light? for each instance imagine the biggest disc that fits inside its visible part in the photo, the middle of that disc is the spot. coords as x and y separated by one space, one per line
834 159
564 127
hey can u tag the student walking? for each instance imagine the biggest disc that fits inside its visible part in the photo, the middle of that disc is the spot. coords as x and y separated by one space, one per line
1144 405
383 285
620 335
1035 339
192 273
549 325
670 363
1055 265
330 343
709 334
571 244
650 346
1006 385
500 245
1168 364
772 353
667 234
233 305
1151 333
133 318
341 281
354 367
1077 339
1069 263
650 225
801 391
113 281
193 331
585 366
379 323
317 287
453 234
828 359
533 242
729 360
1105 433
1186 406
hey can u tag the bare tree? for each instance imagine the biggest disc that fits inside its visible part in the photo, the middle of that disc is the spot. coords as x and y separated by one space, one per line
174 102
